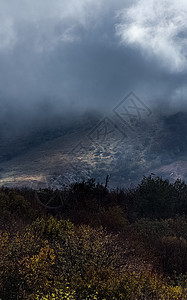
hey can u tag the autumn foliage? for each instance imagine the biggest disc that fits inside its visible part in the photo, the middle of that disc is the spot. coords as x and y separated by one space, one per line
101 244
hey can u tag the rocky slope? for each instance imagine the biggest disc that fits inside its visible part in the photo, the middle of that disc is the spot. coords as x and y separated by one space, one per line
95 146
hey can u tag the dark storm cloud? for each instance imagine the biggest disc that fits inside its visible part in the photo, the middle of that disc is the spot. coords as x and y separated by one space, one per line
67 57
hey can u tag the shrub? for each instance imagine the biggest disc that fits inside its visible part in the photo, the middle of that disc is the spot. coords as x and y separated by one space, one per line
107 284
87 248
37 271
14 206
151 231
155 198
13 203
60 294
178 226
174 255
112 218
51 228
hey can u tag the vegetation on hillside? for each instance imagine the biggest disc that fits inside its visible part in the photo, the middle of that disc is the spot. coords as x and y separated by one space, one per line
96 243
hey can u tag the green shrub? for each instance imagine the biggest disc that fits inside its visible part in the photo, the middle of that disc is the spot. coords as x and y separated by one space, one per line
51 228
13 203
155 198
15 206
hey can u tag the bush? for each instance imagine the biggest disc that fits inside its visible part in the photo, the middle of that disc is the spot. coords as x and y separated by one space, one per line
155 198
51 228
178 226
12 249
174 255
13 203
151 231
37 271
107 284
60 294
112 218
87 247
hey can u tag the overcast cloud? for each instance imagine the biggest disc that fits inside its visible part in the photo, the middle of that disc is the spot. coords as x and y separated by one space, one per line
75 55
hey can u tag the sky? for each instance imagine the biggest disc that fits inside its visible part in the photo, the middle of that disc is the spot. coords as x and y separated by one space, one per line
65 57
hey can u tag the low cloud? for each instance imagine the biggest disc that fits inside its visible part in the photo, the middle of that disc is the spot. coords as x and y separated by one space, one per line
68 57
158 29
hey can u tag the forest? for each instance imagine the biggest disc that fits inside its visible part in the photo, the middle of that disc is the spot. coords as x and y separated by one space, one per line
93 242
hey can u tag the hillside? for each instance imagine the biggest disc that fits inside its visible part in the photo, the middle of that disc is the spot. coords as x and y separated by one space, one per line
86 242
63 154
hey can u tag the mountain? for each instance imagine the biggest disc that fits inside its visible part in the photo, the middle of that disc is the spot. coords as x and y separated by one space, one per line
93 146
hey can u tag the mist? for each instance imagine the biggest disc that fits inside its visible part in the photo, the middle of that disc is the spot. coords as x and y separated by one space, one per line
62 59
